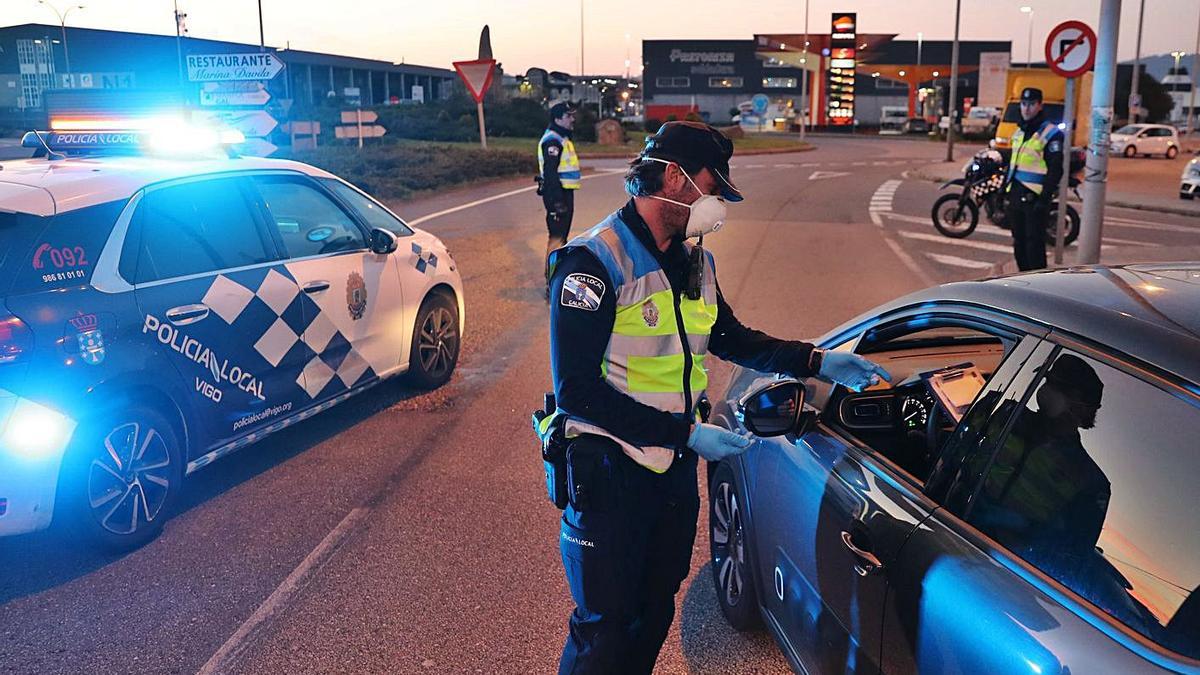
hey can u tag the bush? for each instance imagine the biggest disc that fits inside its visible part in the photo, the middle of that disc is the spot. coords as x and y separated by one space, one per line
693 117
672 117
398 170
653 125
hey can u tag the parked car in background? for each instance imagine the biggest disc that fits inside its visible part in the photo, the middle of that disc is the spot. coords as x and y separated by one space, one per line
1020 499
1147 140
916 125
892 119
1189 182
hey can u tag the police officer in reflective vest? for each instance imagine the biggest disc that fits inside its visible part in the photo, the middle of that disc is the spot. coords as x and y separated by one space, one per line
635 311
558 173
1033 175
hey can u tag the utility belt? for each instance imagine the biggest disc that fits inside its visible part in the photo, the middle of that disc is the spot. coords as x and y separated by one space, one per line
564 485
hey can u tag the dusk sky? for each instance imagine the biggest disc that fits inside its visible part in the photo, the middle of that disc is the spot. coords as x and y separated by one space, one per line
528 33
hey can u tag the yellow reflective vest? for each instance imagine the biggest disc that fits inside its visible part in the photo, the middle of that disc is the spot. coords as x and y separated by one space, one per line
658 345
1028 165
568 164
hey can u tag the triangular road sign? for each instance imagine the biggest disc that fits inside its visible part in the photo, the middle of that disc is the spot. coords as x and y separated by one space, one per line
477 75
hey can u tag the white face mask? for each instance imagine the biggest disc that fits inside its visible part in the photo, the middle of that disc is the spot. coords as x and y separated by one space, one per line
706 214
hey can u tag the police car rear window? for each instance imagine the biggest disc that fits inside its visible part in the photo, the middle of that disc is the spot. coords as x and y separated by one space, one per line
43 253
193 228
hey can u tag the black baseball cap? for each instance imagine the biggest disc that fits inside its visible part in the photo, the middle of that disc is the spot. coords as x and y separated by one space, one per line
562 108
1031 94
695 144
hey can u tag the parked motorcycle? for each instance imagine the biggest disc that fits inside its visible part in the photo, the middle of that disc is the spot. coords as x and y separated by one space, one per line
956 214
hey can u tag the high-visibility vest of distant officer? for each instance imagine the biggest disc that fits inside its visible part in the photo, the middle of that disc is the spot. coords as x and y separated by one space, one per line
1028 166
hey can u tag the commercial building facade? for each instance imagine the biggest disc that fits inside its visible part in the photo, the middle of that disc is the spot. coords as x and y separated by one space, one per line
717 79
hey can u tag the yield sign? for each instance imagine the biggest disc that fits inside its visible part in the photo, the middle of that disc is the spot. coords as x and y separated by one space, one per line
477 75
1071 49
818 175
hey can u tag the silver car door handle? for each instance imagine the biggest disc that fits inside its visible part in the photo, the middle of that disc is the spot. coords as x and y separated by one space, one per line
867 562
185 314
315 286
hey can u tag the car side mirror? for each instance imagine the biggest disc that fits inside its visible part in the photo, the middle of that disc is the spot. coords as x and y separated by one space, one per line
773 410
383 242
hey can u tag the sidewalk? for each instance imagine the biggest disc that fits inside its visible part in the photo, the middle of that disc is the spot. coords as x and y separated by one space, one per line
941 172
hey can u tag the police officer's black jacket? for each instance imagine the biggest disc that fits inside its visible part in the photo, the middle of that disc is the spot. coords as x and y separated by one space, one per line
579 339
552 150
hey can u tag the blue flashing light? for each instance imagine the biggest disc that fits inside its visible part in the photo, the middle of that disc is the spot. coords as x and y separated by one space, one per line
35 431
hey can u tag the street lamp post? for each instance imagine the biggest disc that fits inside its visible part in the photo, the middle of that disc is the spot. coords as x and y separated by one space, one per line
953 84
1192 77
1026 9
1137 67
1175 85
804 77
62 24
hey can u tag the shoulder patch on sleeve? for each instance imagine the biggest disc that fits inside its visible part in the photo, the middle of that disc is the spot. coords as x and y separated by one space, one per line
1054 146
552 150
582 291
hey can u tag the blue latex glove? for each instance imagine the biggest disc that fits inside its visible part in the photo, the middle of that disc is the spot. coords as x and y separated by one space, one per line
715 443
851 370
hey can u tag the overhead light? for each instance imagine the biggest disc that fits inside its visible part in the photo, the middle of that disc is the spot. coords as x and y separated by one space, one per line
902 73
935 73
1026 9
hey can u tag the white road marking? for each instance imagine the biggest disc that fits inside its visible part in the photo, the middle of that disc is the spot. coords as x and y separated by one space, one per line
1145 225
881 201
965 243
955 261
821 175
785 166
283 593
875 218
438 214
909 219
909 262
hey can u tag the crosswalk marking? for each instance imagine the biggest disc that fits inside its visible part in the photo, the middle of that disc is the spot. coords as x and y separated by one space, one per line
1145 225
955 261
965 243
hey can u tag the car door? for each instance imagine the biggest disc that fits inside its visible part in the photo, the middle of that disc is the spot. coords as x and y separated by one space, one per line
831 514
1066 538
218 303
352 296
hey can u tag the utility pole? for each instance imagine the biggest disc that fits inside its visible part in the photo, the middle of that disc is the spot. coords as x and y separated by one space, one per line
953 83
582 68
1137 66
804 77
1192 78
262 43
179 41
1095 180
1029 47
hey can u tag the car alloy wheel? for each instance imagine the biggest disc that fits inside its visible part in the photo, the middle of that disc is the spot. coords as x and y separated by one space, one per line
129 481
435 343
729 557
730 552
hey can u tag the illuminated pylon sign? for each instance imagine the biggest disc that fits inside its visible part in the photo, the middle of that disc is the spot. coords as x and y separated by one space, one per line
843 43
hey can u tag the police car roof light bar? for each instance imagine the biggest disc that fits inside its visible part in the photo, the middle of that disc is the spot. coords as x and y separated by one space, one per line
165 137
33 139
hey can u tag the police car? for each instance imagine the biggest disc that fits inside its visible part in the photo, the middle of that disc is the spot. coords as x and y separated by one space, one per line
159 313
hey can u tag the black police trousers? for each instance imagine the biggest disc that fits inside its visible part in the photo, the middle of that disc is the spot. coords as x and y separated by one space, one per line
626 544
1026 216
559 213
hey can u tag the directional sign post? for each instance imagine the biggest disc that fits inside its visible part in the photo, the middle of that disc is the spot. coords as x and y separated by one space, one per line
361 124
477 75
230 94
225 67
1070 52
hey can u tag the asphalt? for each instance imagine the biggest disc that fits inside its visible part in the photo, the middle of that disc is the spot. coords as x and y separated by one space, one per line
407 531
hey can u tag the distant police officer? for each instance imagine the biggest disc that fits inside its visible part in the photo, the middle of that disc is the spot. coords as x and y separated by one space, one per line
635 310
558 172
1033 175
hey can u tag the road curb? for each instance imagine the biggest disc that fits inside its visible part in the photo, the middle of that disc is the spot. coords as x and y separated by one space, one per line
1120 203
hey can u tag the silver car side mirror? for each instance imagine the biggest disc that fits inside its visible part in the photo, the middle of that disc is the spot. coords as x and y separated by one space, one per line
773 410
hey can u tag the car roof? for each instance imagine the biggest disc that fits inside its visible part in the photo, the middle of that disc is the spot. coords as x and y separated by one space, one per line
1150 312
44 187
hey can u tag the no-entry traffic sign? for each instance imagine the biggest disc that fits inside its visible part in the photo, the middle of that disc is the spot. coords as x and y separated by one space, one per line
1071 49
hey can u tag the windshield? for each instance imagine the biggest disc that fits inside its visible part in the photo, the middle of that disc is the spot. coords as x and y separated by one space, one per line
1129 129
979 113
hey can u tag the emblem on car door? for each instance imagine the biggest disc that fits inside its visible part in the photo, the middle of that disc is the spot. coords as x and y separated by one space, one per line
356 296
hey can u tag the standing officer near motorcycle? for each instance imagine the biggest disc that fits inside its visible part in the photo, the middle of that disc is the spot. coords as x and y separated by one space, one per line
634 311
558 175
1033 175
